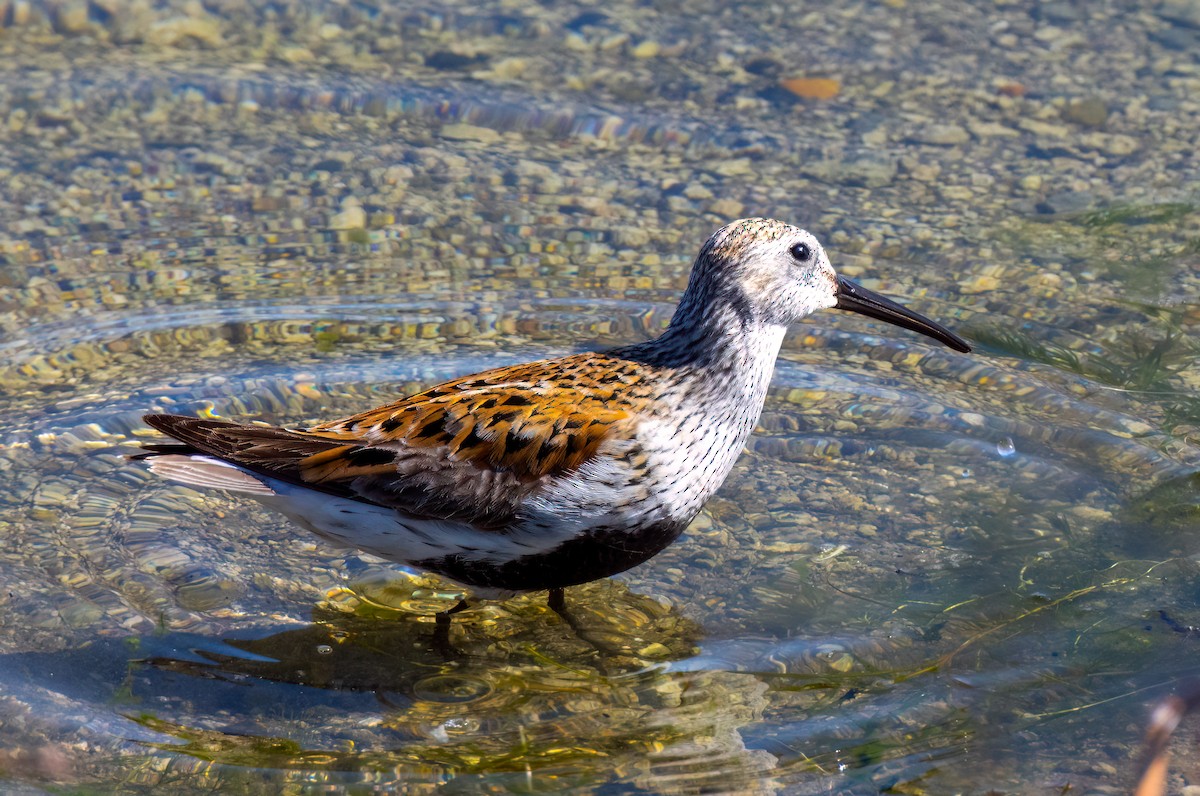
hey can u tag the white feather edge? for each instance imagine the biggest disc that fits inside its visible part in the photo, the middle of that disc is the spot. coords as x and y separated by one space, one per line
207 472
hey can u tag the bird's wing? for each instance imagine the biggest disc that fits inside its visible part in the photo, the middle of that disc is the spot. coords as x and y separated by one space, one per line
468 450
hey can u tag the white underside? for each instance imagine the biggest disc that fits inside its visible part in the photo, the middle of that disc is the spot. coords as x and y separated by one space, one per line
375 529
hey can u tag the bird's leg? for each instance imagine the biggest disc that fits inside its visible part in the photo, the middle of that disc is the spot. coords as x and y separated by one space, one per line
441 631
558 604
443 617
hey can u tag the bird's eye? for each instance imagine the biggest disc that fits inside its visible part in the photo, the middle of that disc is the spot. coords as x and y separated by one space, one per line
802 252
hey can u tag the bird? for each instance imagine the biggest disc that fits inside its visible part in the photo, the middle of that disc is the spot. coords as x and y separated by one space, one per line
548 474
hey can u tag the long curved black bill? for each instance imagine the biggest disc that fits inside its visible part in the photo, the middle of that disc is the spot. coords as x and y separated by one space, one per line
856 298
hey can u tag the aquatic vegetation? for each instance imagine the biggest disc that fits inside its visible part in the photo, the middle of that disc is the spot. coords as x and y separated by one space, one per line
1153 362
1143 247
1172 505
1130 214
1139 360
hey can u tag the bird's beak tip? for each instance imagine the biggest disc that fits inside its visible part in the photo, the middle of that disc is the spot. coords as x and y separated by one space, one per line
853 297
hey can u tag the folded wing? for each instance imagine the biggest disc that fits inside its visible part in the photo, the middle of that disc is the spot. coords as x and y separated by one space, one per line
470 450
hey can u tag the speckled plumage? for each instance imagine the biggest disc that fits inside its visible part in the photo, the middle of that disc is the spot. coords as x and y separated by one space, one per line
550 473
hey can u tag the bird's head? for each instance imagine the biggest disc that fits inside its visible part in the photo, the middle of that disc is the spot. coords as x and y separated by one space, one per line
771 273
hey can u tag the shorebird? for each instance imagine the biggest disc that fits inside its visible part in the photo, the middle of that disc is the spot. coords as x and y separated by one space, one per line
552 473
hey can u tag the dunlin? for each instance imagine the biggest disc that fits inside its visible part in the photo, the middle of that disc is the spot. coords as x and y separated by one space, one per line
551 473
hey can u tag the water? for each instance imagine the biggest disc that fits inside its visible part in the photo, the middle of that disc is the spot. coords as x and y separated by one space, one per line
930 572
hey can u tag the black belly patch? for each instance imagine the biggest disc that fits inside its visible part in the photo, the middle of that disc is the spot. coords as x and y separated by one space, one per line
585 558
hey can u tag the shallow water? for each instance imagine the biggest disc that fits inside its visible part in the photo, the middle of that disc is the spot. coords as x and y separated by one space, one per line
930 572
